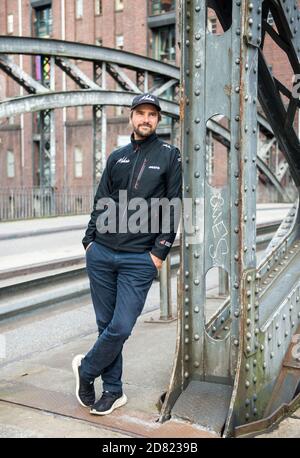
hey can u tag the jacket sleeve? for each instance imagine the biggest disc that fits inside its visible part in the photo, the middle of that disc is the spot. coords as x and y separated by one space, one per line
104 190
170 213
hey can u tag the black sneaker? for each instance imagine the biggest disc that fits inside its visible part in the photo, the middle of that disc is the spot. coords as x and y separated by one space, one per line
108 403
85 391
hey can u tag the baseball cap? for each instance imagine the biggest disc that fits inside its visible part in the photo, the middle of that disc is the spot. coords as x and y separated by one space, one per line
145 98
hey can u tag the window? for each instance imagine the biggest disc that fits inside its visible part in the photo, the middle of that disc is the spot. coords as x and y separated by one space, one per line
79 112
164 42
78 162
212 24
119 5
119 111
161 6
43 22
10 164
98 7
119 41
79 9
10 23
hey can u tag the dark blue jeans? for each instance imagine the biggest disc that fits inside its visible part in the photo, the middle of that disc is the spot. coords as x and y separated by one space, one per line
119 284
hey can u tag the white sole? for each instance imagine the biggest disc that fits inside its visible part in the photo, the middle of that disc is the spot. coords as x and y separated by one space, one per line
118 403
75 364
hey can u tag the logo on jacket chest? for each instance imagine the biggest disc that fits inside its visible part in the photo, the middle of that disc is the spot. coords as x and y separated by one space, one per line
123 160
154 167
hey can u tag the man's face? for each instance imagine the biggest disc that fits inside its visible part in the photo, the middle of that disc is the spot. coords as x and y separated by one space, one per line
144 120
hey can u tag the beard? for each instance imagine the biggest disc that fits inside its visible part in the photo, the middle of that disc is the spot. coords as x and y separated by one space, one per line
143 132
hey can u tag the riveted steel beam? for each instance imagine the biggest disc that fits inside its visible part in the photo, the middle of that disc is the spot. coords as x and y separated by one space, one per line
33 103
232 354
76 74
37 46
20 76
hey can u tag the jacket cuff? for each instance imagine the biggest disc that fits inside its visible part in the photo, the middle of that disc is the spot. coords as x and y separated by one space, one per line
160 253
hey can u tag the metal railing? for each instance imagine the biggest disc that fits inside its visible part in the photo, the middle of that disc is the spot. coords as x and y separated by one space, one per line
161 7
37 202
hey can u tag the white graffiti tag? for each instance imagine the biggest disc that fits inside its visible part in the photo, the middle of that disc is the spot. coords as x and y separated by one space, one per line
219 229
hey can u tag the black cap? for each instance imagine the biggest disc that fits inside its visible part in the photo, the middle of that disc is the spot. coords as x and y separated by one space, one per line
145 98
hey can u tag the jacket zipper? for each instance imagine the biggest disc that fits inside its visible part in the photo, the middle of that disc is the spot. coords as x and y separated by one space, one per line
140 174
137 150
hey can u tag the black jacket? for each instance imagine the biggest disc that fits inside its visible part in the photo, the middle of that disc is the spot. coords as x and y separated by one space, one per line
146 169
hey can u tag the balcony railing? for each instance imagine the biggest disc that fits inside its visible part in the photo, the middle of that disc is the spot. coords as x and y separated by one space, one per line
161 7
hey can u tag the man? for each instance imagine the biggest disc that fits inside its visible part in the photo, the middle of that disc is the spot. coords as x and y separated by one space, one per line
123 259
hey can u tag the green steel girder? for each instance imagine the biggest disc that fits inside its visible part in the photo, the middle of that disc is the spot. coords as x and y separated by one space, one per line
237 356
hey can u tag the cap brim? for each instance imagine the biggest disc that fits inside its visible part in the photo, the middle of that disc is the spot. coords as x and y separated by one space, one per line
146 103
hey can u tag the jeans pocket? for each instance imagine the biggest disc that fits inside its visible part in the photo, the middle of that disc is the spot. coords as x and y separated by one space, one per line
152 262
89 247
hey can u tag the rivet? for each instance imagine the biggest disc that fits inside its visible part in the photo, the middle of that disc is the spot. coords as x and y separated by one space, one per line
186 314
197 175
197 282
187 273
196 255
254 363
186 300
247 367
186 340
196 309
271 355
247 384
196 337
186 375
247 402
196 364
255 411
198 36
186 358
186 327
236 342
197 147
254 380
264 365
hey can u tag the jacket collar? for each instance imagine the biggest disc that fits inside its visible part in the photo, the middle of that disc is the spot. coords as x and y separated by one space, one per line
145 143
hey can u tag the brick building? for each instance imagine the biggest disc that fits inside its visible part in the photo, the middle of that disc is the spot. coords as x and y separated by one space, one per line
146 27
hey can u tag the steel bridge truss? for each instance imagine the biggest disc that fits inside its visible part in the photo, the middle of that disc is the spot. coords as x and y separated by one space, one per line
233 372
133 74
